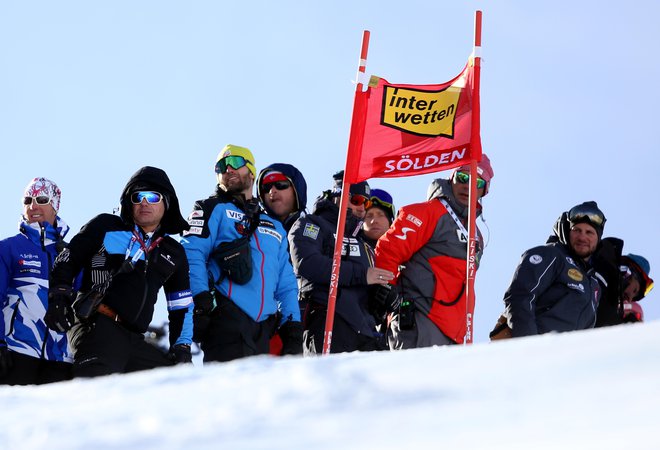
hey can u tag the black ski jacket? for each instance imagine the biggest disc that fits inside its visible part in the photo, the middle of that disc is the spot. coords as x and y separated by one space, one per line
551 291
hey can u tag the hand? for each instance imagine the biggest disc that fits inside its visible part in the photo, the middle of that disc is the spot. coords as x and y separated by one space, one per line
382 300
180 353
59 316
291 334
202 314
379 276
6 362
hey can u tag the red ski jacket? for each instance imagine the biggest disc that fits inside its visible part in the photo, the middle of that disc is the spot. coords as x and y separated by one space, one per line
432 249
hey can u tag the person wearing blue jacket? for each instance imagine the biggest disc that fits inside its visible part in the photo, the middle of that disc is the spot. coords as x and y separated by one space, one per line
241 278
31 352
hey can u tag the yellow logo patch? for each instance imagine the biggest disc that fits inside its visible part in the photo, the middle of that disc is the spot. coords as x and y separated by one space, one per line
575 274
426 113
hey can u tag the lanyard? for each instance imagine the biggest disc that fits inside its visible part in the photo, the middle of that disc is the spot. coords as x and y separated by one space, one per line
453 215
145 246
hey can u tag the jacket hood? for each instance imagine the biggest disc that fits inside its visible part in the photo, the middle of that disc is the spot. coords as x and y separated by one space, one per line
154 179
295 177
441 188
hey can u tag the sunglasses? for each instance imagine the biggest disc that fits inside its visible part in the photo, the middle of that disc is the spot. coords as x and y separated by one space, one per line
279 185
360 200
581 214
150 196
236 162
41 200
462 177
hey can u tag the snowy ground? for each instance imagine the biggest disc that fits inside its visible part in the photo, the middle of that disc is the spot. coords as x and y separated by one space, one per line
598 389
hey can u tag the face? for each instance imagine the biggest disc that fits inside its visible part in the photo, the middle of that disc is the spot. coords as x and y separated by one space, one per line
583 239
39 213
632 289
148 215
376 223
237 181
461 191
281 202
358 210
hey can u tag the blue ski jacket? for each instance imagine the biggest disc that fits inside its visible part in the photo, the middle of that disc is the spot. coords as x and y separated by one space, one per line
272 287
26 260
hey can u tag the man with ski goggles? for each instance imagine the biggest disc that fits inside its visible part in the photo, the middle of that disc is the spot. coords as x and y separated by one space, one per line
242 281
555 287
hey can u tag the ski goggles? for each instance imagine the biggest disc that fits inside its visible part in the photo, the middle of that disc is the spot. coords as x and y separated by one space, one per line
40 200
462 177
581 213
279 185
236 162
151 197
360 200
632 269
377 201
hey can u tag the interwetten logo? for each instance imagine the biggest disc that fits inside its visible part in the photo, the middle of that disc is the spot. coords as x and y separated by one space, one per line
425 113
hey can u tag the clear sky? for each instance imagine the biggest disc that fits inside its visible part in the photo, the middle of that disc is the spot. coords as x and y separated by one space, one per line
91 91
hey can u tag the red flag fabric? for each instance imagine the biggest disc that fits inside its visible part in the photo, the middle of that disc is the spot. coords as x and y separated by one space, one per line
413 129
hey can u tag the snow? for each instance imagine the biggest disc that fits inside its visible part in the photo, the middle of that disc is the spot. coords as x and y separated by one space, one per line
595 389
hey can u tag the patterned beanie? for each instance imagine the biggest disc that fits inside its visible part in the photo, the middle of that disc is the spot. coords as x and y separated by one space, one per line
44 187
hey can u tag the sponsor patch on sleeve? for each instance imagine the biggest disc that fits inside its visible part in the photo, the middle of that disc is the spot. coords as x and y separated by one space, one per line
535 259
194 231
311 231
575 274
413 219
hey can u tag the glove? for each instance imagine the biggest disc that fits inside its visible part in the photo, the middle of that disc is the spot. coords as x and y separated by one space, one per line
202 314
382 300
291 334
5 359
59 316
180 353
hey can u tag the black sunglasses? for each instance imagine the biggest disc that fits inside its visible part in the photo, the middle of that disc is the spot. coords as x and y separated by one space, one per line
279 185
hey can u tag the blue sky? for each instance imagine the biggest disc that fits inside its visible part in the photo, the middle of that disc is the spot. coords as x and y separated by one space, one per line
92 91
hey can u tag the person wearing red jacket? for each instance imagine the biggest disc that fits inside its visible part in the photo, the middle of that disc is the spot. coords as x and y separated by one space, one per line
426 249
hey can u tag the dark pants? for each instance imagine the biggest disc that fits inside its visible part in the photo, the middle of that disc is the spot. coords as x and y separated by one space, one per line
103 346
30 370
233 334
344 338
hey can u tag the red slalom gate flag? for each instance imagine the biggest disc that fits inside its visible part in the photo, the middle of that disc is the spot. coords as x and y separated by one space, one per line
414 129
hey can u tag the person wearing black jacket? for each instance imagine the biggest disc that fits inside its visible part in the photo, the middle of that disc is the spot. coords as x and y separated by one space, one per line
311 243
125 260
554 288
625 280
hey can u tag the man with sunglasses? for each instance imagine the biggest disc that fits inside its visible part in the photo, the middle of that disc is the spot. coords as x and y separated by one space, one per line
426 248
30 351
283 190
555 287
312 242
125 261
241 277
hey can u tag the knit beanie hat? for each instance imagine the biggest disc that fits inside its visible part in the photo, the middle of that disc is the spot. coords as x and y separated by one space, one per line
235 150
46 188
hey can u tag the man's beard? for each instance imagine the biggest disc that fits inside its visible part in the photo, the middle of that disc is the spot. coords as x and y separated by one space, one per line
237 185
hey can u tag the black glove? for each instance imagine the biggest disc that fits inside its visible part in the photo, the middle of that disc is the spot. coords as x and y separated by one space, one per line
202 314
5 359
59 316
291 334
180 353
382 300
